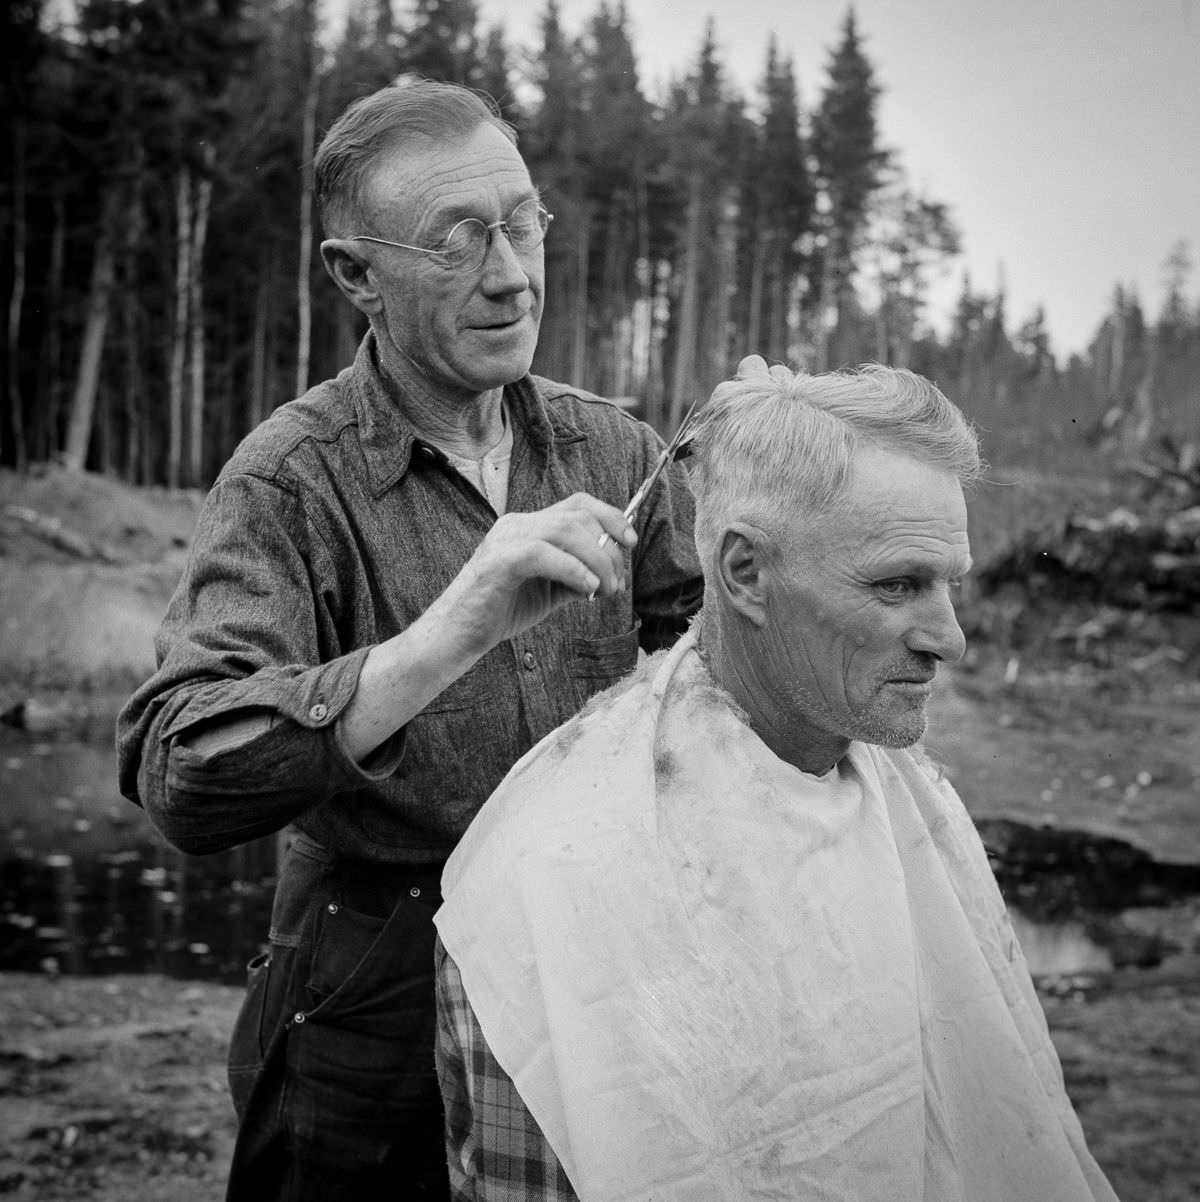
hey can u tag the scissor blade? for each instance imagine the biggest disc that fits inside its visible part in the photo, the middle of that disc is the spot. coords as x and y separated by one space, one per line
668 453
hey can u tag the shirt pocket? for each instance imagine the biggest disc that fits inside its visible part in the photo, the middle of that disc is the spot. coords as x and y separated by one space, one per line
599 662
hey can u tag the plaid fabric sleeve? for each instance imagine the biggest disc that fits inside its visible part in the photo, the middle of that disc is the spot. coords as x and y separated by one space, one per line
496 1151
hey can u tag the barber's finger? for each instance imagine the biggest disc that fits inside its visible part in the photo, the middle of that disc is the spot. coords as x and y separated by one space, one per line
566 567
615 526
604 557
627 535
561 567
753 365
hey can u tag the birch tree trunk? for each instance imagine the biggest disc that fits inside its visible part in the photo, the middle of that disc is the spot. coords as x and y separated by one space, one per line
87 378
16 299
136 455
179 333
687 328
579 330
304 277
258 354
51 385
757 271
197 240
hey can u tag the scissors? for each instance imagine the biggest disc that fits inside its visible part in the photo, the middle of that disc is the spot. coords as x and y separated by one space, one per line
670 452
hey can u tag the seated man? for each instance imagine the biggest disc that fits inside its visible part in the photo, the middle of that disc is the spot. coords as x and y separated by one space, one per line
729 934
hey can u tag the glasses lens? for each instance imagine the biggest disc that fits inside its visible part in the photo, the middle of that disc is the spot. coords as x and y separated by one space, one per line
466 244
528 224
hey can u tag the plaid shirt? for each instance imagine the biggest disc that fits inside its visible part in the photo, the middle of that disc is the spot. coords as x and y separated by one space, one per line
497 1152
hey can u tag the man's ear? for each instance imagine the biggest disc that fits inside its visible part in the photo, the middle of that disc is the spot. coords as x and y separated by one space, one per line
349 272
741 571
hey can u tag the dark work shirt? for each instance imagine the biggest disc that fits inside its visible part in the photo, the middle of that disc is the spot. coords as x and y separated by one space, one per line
331 529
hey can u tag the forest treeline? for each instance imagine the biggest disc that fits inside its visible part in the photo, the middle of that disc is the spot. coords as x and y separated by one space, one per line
164 289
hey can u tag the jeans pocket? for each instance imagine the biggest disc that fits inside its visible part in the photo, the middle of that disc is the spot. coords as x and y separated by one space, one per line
344 938
248 1043
361 1080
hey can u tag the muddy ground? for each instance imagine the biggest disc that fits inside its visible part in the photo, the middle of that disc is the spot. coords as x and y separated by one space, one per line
111 1088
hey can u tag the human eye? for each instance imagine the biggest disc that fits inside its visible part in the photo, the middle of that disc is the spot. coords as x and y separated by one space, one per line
462 245
896 588
527 224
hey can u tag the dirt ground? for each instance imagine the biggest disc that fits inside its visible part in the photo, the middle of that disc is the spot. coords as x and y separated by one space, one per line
112 1088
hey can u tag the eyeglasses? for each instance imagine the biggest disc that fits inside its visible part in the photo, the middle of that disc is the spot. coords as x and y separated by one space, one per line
467 244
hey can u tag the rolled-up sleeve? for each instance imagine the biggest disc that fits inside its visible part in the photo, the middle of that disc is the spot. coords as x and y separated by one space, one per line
236 733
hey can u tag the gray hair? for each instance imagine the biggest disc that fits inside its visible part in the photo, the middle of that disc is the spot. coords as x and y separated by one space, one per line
377 123
773 448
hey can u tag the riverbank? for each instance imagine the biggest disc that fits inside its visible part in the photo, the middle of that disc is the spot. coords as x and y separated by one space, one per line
112 1089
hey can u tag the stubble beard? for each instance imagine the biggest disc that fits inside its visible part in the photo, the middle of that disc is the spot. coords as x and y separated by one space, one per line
877 722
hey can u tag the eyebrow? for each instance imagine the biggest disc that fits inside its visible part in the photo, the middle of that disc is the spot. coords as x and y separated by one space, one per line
921 569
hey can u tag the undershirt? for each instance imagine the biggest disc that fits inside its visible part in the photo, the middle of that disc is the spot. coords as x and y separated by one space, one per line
489 473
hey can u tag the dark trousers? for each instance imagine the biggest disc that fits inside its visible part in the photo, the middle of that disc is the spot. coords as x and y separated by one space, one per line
331 1064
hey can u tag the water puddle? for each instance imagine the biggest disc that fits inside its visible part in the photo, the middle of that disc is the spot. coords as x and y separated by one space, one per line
147 909
87 886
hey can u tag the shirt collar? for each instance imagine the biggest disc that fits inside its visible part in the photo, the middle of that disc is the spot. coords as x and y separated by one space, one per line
388 438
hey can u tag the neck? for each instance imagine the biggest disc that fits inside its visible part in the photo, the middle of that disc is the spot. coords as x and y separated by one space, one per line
727 644
465 423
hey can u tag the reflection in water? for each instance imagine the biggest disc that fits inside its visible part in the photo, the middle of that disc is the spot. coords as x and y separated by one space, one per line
157 910
149 909
1059 949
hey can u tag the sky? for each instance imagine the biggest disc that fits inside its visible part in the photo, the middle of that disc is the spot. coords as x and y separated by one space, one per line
1064 135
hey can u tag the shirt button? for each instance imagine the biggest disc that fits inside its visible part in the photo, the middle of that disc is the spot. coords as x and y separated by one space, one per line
528 660
318 712
414 892
299 1016
332 907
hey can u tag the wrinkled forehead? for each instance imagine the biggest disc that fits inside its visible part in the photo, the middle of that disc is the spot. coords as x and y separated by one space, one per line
450 178
893 504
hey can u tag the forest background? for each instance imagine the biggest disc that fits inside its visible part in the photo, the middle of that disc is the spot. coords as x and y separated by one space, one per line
164 291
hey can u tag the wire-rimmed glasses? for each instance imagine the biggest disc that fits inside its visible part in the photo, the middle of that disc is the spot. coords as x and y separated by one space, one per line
467 244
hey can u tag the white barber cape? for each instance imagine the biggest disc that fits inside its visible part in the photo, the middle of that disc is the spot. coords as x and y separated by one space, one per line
712 976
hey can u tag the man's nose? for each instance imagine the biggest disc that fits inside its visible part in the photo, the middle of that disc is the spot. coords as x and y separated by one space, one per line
503 271
937 631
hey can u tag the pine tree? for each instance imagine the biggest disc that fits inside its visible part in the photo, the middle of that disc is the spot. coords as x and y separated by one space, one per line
909 239
441 42
551 145
777 198
614 161
849 165
707 137
494 74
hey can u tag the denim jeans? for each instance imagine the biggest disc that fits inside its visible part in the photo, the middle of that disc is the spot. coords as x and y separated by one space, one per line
331 1063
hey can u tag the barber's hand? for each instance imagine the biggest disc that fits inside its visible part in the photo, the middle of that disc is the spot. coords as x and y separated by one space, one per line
753 366
530 564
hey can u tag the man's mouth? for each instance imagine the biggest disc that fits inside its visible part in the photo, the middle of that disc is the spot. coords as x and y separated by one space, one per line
505 324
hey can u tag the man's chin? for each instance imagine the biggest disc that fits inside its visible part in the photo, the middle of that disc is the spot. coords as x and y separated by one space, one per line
498 370
894 732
